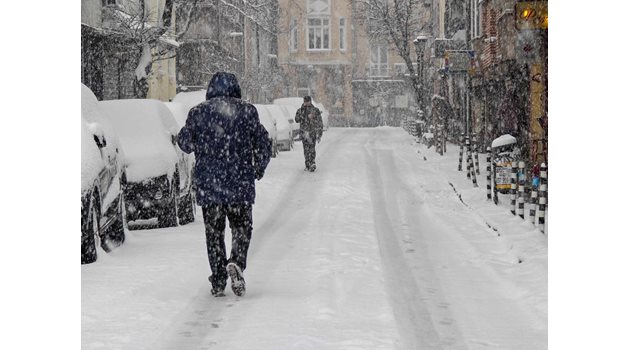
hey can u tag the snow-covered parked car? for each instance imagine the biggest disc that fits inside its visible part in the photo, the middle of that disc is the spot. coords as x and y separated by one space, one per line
293 104
190 99
324 114
102 212
159 183
270 125
284 133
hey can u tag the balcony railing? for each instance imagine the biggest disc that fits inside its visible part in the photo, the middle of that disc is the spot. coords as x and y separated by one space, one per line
379 70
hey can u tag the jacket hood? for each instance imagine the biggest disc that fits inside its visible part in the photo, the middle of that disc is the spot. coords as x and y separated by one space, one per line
223 84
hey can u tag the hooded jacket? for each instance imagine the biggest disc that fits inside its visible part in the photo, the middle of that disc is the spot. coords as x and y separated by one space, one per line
231 146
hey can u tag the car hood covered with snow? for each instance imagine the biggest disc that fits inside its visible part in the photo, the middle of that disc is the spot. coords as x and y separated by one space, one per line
145 128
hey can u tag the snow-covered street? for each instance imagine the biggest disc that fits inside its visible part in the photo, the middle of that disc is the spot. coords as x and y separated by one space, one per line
375 250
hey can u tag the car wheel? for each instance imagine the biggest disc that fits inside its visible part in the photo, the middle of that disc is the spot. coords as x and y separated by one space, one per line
168 215
89 235
187 212
114 235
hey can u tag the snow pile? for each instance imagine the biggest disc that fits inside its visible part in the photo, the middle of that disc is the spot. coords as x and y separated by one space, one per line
503 140
145 135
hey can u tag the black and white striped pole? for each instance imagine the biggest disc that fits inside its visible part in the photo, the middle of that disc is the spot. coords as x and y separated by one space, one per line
489 170
513 188
474 176
476 153
468 158
533 205
471 172
542 199
521 189
494 180
461 151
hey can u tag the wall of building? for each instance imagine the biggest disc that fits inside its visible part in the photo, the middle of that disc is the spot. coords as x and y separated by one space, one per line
207 47
91 13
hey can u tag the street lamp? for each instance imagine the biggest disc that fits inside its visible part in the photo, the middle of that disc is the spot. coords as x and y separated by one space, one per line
420 43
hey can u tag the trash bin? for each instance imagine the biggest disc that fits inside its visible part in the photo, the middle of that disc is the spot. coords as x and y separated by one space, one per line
503 149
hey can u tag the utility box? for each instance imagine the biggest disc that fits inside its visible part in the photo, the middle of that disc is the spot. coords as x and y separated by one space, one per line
503 149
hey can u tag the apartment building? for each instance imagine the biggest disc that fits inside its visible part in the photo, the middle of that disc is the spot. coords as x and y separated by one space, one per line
325 52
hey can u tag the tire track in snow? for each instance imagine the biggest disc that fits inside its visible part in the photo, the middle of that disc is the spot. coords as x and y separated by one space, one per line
412 315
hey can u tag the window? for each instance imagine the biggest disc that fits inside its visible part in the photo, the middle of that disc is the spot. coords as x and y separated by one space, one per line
342 34
318 34
378 61
109 2
293 39
318 23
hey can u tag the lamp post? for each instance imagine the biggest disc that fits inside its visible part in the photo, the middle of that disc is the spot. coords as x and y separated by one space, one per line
420 43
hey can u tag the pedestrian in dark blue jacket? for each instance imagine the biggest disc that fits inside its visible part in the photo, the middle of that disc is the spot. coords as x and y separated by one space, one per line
232 149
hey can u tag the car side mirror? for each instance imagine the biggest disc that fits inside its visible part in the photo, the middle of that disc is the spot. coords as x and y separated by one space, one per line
100 141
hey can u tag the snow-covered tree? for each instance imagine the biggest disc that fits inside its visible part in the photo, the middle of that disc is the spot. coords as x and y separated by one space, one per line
140 31
399 23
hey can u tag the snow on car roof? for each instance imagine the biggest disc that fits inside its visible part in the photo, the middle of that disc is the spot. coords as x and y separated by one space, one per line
293 101
144 128
190 98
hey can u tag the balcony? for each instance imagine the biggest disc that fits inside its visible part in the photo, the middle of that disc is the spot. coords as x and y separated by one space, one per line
378 70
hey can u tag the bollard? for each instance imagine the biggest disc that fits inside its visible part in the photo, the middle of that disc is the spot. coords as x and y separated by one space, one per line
513 188
542 199
532 208
494 181
476 153
489 170
468 159
441 140
471 171
461 151
521 189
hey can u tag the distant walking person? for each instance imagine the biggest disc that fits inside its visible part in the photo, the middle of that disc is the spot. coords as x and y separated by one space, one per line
231 149
311 130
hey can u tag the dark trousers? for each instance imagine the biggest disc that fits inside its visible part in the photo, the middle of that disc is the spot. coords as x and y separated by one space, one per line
240 217
309 152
